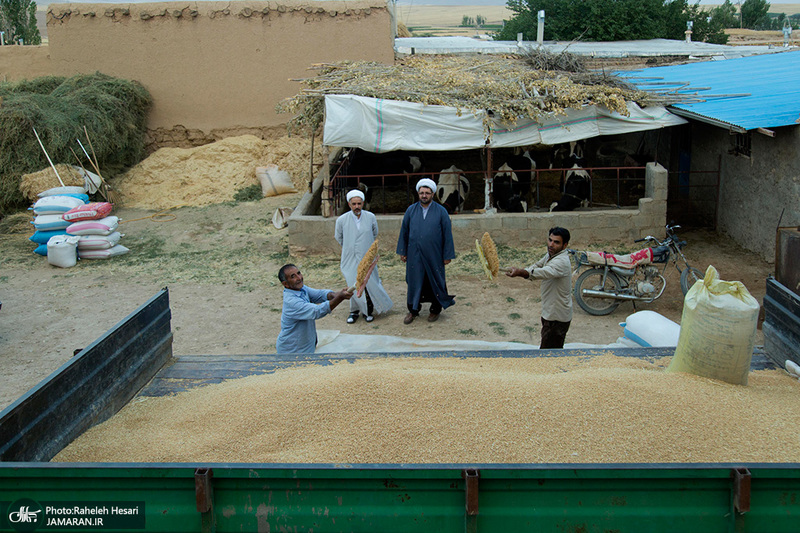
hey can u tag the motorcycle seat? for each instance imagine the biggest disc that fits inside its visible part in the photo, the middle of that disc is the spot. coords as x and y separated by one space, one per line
631 261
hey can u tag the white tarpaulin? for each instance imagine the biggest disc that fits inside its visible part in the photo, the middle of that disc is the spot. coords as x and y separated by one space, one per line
379 125
333 341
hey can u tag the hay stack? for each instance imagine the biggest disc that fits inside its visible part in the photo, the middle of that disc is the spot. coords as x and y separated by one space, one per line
31 185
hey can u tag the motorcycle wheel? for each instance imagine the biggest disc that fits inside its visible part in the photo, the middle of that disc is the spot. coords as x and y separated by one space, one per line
689 277
593 279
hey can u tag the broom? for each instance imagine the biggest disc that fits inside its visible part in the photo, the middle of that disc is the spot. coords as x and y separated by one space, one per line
365 268
110 194
487 254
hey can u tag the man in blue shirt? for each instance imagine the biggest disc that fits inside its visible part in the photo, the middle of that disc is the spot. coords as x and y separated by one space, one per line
302 306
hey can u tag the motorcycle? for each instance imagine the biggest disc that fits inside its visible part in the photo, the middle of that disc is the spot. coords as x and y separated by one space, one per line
612 279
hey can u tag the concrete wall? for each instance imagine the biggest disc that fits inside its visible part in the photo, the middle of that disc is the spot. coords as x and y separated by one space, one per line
754 190
310 233
214 69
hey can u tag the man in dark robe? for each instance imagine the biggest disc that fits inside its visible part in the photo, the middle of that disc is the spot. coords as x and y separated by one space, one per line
425 245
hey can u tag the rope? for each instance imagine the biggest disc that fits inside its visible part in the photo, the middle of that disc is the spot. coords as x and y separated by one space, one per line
161 216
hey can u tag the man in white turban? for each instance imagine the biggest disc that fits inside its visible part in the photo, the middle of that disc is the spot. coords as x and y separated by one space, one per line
425 245
355 231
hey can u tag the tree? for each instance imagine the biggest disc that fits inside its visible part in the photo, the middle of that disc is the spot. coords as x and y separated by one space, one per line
606 20
726 15
18 21
754 13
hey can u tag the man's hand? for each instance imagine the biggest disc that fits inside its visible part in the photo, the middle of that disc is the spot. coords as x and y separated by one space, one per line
447 261
403 258
514 272
336 298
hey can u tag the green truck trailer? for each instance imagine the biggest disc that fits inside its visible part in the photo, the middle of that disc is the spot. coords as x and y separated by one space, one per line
135 357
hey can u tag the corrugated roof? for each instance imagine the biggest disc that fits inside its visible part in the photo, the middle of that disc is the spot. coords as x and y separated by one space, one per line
771 83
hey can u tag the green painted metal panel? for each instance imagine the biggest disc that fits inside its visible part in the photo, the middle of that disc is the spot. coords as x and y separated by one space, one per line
422 498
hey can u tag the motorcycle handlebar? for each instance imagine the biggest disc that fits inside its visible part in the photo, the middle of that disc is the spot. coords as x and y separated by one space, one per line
640 240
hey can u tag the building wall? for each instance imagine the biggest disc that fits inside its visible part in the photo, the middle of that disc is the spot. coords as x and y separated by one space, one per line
214 69
24 62
310 233
753 191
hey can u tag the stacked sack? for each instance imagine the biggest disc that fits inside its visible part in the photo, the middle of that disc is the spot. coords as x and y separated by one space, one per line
68 228
49 210
96 231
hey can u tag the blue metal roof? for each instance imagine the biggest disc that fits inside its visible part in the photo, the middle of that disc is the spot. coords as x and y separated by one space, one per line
771 83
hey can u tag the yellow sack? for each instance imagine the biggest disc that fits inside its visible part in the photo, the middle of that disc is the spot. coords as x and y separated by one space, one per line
718 329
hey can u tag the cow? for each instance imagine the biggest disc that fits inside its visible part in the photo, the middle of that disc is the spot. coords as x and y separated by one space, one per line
577 187
452 189
376 167
512 183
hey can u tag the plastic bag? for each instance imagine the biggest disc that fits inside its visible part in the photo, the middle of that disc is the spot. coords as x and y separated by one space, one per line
62 251
718 329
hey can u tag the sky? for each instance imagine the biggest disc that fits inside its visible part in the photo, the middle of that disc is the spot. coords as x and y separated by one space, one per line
403 2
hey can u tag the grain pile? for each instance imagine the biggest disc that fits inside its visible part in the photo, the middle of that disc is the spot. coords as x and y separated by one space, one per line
32 184
211 173
450 410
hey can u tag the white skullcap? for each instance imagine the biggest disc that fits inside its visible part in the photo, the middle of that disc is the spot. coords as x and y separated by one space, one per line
355 192
426 182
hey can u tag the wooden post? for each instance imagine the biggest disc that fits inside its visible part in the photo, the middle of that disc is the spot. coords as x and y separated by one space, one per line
327 197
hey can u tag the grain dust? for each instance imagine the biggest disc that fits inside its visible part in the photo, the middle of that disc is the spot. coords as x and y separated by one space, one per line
605 409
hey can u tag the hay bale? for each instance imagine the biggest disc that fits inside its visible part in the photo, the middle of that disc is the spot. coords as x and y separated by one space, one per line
32 184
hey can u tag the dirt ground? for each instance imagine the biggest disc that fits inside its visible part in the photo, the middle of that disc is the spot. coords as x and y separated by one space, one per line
220 263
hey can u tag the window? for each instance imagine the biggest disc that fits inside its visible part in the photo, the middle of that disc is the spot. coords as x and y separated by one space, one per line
740 144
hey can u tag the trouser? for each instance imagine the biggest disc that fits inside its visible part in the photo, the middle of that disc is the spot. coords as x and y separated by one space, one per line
553 334
354 306
427 295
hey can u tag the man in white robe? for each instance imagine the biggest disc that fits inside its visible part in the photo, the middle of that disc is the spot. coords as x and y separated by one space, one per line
356 230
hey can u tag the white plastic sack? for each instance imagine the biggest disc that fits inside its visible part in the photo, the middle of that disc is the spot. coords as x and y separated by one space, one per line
56 204
281 217
50 223
62 190
718 330
274 181
98 242
103 254
648 328
104 226
91 180
62 251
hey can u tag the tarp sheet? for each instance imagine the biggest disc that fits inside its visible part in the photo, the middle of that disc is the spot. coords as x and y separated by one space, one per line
333 341
380 125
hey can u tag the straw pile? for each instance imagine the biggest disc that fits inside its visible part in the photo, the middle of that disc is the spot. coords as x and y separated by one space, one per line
604 409
211 173
508 86
113 110
30 185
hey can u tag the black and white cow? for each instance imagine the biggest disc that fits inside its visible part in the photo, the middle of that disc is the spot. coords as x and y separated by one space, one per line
512 182
452 189
577 187
372 168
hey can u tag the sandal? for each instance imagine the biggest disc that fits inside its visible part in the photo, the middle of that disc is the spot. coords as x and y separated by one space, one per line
353 317
369 318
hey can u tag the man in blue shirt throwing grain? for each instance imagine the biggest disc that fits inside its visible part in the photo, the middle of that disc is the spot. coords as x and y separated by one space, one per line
302 306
